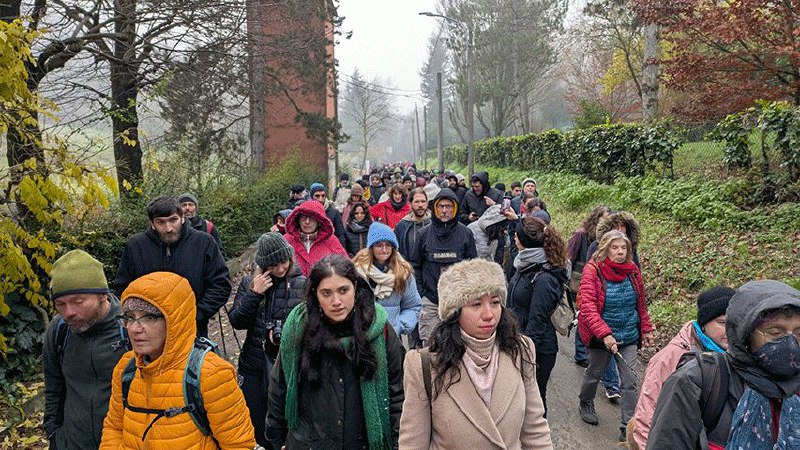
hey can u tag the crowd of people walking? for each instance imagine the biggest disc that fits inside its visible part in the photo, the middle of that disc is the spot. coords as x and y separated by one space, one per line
407 310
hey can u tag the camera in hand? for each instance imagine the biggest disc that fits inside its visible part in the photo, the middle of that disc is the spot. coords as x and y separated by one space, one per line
276 326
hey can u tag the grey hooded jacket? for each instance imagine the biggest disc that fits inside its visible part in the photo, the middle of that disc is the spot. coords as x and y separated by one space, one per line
77 384
677 422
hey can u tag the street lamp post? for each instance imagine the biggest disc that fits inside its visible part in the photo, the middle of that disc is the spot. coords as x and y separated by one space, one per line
470 99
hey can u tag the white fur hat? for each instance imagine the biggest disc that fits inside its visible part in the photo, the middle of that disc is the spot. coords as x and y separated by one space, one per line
467 281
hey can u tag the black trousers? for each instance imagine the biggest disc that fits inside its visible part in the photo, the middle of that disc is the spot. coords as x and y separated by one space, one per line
254 387
544 365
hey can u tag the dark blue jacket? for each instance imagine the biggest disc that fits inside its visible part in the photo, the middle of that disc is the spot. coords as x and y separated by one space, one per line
533 294
252 312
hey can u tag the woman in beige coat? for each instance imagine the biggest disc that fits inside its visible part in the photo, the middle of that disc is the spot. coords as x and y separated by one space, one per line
482 383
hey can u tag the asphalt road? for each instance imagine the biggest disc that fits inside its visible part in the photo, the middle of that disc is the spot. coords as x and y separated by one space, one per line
567 429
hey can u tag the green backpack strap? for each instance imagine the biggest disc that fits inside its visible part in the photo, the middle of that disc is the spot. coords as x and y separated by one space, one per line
192 395
191 384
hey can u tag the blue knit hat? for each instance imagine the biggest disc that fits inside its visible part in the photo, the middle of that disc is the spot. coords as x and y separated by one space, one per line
379 232
315 187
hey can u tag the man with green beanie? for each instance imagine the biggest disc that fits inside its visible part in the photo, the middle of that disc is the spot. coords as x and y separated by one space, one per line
82 345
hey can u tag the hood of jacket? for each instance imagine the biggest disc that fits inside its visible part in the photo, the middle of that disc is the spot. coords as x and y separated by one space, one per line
491 216
745 308
314 210
445 193
612 221
483 177
173 296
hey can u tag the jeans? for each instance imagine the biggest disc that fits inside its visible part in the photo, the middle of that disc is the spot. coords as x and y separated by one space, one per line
598 361
610 378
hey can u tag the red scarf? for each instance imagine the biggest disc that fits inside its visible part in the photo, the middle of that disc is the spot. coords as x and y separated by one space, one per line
616 272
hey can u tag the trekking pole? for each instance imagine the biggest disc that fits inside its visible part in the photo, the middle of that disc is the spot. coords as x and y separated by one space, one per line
235 336
622 360
222 334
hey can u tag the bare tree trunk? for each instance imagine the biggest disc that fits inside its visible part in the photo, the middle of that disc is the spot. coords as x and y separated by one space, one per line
258 82
124 94
650 75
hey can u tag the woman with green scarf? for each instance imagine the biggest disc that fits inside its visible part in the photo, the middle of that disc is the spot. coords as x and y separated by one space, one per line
338 380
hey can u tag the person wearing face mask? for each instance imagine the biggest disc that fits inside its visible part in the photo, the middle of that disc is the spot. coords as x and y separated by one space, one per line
613 323
391 278
337 381
706 334
755 382
261 306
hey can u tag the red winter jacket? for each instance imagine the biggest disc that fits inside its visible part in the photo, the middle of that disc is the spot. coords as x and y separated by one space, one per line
385 212
593 300
325 244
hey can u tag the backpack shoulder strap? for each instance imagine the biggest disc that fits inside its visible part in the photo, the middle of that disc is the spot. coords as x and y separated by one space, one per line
716 379
60 339
209 226
192 394
426 373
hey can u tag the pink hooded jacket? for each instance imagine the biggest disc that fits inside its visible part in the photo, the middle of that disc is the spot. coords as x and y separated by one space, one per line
325 243
661 366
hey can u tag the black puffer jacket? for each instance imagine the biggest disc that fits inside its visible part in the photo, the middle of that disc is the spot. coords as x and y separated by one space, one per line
331 415
195 256
252 312
533 295
477 203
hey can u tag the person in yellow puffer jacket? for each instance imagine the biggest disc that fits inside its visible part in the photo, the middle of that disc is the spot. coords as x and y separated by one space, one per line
159 312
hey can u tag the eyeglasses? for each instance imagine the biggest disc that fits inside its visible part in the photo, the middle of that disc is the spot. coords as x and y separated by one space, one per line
777 332
146 320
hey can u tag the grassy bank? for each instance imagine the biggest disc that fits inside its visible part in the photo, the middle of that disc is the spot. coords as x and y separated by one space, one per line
679 259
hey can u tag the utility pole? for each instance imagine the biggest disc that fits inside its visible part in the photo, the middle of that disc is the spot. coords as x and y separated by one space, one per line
425 135
419 139
413 140
440 120
470 106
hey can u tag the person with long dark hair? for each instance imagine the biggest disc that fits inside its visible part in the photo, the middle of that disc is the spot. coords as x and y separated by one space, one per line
536 288
337 381
356 228
481 371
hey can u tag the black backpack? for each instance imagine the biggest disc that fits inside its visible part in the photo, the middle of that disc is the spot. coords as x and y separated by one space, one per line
715 380
192 395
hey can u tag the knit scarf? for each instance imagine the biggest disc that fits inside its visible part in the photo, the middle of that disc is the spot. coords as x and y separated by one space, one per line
616 272
384 282
481 359
398 205
751 425
374 392
708 344
528 257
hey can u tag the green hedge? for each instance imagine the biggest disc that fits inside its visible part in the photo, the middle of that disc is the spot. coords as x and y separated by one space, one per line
600 153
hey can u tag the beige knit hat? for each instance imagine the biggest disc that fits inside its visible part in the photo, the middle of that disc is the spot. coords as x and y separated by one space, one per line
469 280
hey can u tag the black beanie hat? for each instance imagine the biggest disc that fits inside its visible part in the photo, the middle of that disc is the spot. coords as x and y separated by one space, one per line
712 303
